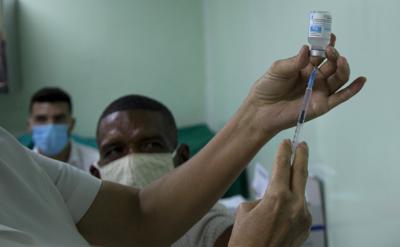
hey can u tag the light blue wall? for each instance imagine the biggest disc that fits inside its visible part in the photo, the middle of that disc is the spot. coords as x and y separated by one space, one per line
355 147
99 50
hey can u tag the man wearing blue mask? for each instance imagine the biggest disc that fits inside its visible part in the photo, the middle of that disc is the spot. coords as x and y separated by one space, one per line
51 123
138 142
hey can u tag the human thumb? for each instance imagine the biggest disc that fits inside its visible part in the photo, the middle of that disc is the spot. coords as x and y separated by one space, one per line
290 67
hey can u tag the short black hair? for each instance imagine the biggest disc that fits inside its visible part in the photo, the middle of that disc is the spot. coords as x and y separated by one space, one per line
51 95
139 102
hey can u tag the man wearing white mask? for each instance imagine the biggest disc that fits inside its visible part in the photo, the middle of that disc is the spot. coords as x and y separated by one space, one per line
51 123
138 143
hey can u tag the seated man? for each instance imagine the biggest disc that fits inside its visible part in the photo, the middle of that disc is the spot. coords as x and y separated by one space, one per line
47 203
138 143
51 123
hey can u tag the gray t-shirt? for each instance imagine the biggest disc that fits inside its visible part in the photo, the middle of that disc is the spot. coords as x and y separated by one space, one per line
207 230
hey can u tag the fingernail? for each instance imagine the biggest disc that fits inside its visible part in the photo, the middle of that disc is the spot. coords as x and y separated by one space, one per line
304 145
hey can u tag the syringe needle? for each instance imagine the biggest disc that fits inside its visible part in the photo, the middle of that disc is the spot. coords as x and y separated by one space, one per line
303 110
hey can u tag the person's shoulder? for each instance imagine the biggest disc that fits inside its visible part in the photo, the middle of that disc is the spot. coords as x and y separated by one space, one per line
218 214
4 134
9 145
24 162
220 208
208 229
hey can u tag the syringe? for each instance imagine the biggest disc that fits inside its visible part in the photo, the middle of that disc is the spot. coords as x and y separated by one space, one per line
303 109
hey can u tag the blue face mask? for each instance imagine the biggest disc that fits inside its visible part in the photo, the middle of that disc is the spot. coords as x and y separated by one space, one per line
50 138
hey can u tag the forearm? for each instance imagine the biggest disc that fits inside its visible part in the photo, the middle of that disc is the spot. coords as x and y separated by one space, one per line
190 191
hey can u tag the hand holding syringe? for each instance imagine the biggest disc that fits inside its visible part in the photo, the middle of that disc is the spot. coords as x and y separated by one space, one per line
319 34
304 107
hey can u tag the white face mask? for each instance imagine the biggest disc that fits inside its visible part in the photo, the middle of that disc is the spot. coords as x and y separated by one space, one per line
138 170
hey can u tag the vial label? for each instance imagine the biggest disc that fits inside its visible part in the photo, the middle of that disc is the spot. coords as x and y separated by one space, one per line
320 25
319 32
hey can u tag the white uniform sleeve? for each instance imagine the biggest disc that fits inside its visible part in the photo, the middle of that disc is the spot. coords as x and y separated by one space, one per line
78 188
207 230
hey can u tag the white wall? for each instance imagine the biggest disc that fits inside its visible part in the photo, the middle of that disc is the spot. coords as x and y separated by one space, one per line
354 147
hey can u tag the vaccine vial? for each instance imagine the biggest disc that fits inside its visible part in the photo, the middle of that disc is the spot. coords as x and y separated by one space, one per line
319 32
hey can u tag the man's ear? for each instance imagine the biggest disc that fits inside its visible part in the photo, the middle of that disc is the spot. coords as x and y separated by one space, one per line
182 155
71 125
